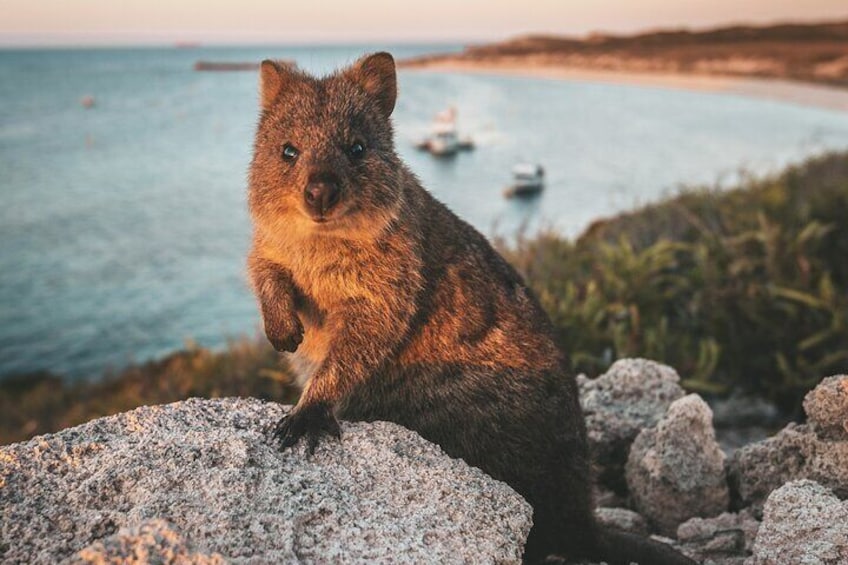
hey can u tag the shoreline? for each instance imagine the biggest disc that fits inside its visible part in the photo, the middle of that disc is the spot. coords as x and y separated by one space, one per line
779 90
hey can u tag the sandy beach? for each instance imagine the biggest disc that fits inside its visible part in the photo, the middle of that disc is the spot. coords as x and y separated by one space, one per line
828 97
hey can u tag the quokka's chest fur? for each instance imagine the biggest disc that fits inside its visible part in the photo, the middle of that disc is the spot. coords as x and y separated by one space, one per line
331 271
338 278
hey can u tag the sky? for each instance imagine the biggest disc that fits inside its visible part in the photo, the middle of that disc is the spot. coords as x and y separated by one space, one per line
103 22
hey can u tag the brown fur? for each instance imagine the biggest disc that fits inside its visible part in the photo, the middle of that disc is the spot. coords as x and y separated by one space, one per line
398 310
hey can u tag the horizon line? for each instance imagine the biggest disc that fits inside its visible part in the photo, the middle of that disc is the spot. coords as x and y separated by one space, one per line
154 39
189 45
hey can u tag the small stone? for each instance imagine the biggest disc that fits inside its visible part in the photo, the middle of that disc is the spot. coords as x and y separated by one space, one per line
803 522
704 528
726 538
676 470
622 519
827 408
633 394
796 452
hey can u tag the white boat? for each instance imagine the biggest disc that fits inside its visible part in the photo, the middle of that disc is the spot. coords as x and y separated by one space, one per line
528 180
444 141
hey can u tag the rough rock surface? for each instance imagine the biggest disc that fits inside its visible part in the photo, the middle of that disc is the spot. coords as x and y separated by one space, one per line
151 542
208 468
622 519
827 408
803 522
676 470
633 394
814 451
726 539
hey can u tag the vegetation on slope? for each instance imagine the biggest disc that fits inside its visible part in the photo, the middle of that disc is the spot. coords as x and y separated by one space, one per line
745 289
41 403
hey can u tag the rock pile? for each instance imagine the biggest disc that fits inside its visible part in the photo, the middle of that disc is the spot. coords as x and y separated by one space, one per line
633 395
200 482
678 480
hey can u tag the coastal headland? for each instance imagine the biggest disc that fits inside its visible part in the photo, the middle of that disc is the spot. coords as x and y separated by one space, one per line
798 63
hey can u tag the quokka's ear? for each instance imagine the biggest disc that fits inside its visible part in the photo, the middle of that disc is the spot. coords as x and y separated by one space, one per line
273 77
376 74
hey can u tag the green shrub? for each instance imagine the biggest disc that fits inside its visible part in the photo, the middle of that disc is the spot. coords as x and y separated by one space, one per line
744 289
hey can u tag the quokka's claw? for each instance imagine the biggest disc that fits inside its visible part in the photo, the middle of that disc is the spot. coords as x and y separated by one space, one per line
312 421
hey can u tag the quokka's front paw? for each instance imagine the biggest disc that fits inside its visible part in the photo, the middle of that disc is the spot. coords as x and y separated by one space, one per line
312 421
285 336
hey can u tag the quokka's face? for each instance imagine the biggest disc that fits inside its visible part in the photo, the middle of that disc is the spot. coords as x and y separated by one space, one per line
324 155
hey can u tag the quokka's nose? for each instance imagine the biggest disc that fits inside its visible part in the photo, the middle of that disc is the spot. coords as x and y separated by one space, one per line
321 196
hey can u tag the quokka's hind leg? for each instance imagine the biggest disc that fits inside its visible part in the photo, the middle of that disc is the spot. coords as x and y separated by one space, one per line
563 522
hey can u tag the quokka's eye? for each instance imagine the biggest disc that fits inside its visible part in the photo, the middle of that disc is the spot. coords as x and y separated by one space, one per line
290 152
356 150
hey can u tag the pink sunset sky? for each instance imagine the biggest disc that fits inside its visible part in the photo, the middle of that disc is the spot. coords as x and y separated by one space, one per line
98 22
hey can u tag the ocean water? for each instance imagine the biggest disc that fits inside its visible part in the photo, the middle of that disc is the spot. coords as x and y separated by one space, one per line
123 228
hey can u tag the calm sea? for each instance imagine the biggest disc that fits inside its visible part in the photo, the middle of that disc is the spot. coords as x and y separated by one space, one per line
123 227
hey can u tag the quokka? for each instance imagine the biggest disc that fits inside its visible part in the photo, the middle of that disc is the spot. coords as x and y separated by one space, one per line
395 309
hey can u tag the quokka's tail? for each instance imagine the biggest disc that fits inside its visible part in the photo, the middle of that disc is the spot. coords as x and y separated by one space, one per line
617 547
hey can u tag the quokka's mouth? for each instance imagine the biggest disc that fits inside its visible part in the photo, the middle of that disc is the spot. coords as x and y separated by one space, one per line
323 219
326 218
330 217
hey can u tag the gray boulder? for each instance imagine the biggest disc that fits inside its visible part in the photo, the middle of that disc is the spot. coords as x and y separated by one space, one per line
803 522
209 469
633 394
676 470
815 451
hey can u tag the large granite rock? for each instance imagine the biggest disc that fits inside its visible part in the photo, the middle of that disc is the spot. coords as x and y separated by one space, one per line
676 470
633 394
202 479
816 451
803 522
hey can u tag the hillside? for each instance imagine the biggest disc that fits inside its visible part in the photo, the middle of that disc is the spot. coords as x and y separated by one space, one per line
816 53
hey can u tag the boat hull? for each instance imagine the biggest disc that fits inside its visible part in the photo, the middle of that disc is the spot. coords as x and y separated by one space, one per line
523 190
